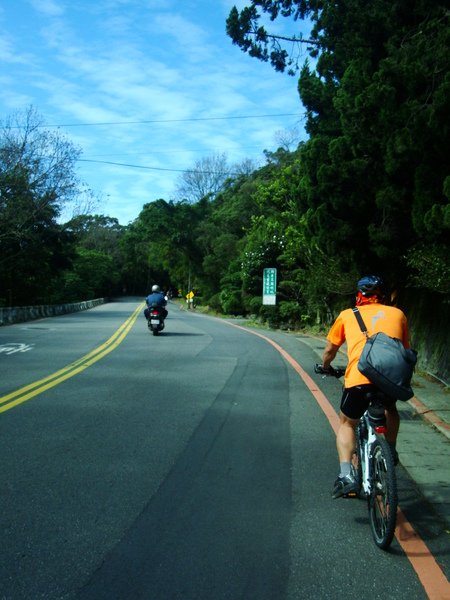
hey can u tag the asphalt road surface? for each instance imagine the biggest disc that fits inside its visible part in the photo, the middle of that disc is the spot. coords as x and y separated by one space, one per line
195 465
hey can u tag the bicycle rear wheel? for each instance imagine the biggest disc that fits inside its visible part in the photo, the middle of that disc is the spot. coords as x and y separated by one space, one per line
383 499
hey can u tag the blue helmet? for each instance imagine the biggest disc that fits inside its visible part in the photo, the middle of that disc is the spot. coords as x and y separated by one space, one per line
371 285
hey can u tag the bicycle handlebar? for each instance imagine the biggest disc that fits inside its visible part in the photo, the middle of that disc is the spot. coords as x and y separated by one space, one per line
334 372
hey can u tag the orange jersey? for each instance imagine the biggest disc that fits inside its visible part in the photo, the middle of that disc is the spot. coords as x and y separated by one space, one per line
377 317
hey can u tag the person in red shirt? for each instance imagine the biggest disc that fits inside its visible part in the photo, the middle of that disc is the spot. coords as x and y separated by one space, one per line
354 402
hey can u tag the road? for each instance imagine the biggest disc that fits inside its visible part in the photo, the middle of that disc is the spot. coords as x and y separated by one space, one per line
195 465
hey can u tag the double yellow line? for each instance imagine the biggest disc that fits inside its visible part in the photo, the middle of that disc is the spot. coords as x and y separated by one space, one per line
33 389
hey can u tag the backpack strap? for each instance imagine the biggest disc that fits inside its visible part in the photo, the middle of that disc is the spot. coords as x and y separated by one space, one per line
360 320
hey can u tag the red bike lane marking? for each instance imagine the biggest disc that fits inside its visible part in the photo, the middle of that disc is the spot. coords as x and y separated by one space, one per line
430 574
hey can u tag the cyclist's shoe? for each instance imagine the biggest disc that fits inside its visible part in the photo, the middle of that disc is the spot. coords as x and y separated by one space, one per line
346 486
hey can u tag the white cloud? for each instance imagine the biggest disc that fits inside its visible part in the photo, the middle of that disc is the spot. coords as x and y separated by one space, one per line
117 61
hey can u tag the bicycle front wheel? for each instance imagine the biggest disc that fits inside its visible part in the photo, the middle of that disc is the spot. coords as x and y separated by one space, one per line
383 499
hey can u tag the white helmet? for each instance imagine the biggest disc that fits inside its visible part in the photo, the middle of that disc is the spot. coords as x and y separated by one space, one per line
156 288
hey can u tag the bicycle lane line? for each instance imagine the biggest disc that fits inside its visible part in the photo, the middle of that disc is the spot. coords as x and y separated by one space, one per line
431 576
34 389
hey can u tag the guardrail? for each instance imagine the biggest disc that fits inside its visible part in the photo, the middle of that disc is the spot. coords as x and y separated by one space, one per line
20 314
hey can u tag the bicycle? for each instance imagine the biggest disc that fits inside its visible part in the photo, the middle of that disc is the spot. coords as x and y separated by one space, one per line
375 466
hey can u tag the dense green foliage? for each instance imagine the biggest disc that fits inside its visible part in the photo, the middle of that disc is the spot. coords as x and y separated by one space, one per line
368 191
375 172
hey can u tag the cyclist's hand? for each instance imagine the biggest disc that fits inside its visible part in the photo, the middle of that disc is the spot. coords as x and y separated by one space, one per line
318 368
333 372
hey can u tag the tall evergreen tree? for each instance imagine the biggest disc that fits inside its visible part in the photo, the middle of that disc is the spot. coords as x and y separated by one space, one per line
376 99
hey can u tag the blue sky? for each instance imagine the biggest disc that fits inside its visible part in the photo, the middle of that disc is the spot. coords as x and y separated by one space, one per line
152 83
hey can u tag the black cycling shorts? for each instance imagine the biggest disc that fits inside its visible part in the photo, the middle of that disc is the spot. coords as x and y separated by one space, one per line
355 400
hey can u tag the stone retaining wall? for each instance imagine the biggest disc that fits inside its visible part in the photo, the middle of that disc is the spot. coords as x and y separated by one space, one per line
20 314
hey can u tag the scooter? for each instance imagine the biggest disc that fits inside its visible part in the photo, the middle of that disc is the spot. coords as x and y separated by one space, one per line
155 320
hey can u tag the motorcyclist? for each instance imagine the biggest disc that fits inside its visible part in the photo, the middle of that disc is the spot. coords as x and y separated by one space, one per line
156 298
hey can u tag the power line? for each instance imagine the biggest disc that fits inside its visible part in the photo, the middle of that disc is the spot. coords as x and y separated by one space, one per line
107 162
171 151
194 119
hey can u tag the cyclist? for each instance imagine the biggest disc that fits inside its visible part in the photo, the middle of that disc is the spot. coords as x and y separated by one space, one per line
354 402
156 298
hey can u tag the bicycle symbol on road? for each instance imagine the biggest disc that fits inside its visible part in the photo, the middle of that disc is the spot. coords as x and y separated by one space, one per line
14 347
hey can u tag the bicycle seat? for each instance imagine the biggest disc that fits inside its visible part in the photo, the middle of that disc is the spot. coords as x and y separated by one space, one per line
376 408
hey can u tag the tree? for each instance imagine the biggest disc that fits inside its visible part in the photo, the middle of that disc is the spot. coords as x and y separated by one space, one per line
376 99
133 248
45 158
98 265
204 180
164 241
36 181
93 275
97 232
245 30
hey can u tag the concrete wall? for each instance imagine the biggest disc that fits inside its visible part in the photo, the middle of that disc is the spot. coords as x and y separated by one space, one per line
429 323
20 314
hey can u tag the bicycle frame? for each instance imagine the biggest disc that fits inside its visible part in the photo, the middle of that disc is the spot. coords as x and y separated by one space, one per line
366 444
364 453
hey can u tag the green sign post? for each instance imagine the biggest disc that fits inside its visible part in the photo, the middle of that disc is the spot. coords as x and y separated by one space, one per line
270 286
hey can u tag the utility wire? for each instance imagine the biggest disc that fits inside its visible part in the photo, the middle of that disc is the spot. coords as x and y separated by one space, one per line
173 120
107 162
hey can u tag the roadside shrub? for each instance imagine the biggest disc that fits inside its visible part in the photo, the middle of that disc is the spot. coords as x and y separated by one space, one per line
294 314
270 315
214 303
231 302
253 304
